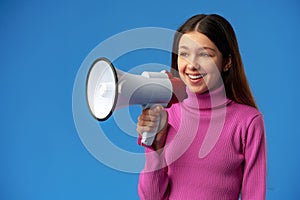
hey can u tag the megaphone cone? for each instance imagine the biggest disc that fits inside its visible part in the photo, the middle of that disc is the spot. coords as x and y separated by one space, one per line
108 89
101 89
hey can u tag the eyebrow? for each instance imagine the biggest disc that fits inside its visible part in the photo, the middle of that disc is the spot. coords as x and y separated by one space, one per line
200 48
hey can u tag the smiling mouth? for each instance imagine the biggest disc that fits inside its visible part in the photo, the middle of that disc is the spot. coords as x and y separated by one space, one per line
196 76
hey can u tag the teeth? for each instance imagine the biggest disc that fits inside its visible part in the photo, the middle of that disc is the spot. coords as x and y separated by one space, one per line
196 76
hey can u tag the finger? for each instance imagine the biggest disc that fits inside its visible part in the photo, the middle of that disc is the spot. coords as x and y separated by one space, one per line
154 110
149 119
143 123
142 129
149 116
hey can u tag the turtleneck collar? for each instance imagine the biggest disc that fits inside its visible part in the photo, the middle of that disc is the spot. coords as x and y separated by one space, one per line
208 100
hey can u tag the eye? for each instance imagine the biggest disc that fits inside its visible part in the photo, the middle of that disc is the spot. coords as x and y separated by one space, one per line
183 54
204 54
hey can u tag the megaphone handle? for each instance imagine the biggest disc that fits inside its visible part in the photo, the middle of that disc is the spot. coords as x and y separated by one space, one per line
148 137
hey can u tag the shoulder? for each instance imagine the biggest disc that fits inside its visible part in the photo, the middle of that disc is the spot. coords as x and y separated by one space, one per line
243 112
250 125
244 118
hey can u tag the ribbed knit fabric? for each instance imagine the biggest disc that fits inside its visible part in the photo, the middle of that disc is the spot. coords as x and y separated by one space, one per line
215 150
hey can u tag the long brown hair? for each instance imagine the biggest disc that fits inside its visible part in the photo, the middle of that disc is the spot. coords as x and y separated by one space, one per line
219 31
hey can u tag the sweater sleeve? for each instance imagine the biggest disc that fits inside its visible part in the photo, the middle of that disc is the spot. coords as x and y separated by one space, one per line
254 178
153 180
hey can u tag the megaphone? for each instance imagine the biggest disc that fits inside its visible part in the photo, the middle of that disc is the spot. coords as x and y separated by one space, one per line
109 89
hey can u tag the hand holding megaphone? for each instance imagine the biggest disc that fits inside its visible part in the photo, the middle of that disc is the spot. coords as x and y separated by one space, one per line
109 89
152 125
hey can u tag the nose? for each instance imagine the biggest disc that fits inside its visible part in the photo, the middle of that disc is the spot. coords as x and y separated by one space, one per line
193 64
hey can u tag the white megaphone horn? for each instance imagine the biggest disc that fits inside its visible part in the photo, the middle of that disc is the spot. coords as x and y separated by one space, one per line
109 89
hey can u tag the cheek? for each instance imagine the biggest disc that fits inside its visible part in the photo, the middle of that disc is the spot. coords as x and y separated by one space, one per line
214 78
181 65
219 65
214 73
211 67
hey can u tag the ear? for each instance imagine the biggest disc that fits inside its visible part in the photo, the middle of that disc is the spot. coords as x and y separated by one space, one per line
228 64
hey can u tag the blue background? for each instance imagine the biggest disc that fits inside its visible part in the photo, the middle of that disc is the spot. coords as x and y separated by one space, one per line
42 46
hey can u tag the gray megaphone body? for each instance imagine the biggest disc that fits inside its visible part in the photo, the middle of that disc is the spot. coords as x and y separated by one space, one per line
109 89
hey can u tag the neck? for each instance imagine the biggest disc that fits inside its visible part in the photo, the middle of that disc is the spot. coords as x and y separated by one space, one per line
210 99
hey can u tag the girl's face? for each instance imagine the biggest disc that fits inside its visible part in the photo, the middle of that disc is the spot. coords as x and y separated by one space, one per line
199 62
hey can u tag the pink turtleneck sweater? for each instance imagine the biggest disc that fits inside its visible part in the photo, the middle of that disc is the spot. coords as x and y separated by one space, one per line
215 150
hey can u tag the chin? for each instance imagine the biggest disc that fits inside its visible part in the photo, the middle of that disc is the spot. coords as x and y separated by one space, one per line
198 90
